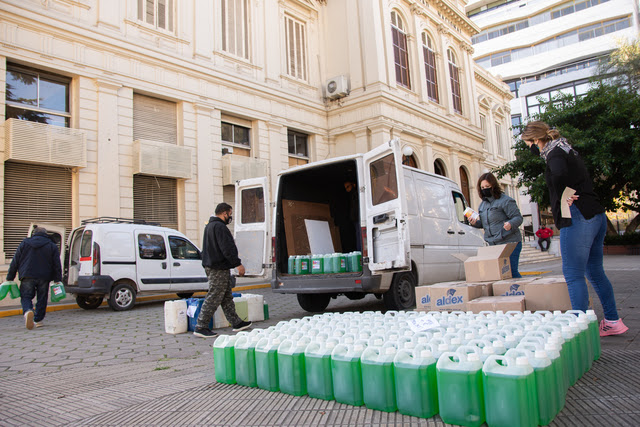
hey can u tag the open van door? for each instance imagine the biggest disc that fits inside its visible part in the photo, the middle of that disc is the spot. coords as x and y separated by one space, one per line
388 243
251 217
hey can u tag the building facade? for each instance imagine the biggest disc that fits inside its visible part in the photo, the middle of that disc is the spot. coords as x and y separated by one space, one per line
153 109
542 48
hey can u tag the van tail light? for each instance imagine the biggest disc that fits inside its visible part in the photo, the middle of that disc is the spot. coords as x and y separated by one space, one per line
273 249
365 249
96 259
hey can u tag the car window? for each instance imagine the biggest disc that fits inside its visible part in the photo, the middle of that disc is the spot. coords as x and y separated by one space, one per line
458 200
183 249
151 246
85 246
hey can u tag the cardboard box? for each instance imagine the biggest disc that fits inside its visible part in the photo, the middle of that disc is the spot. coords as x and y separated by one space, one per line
294 213
486 288
510 287
511 303
491 263
547 293
446 296
423 298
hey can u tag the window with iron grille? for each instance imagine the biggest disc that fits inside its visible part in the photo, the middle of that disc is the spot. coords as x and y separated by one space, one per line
400 54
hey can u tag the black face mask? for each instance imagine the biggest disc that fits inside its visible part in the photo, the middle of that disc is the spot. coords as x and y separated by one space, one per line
535 150
486 192
229 218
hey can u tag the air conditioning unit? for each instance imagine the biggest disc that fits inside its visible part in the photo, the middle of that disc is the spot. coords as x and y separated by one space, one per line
235 168
337 87
35 142
161 159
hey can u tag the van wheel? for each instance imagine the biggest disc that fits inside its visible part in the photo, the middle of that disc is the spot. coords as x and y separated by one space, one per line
123 297
313 303
184 295
89 302
402 293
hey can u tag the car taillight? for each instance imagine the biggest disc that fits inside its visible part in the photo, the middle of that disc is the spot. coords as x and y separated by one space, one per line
96 259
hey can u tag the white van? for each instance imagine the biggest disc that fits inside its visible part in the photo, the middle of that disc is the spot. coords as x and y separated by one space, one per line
120 258
410 223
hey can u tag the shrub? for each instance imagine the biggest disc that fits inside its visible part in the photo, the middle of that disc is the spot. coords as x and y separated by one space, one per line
625 239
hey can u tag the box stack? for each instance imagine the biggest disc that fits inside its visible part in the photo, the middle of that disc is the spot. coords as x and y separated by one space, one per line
489 287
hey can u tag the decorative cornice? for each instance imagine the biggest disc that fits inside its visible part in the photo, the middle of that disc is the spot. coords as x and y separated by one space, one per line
457 18
485 80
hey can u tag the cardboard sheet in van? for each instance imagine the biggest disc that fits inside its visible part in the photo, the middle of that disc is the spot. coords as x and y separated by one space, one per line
295 213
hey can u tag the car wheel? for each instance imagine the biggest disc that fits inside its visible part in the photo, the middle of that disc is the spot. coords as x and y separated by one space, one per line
89 302
402 293
123 297
313 303
184 295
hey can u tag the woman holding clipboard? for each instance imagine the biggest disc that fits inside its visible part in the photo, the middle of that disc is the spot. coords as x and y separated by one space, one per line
581 221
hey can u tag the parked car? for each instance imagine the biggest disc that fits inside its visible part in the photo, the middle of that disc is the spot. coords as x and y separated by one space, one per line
121 258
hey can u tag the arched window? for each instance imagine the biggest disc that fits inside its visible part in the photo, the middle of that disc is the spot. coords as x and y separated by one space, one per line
464 184
430 67
454 76
409 161
400 55
438 168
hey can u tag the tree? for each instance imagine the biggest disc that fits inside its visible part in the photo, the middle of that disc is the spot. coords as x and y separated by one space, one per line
604 127
622 67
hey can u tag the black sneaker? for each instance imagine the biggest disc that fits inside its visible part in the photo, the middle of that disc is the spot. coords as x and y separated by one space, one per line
241 326
204 333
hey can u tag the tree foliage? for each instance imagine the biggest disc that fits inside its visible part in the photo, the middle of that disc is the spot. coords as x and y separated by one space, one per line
604 127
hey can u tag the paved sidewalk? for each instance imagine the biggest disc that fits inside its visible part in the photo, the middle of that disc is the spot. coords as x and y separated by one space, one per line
102 367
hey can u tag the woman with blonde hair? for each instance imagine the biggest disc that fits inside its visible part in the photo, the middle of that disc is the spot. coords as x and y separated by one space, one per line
582 235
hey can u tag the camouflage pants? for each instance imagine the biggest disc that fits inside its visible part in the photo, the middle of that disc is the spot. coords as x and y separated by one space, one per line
219 294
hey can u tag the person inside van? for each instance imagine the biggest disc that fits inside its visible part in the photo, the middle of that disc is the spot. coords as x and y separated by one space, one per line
353 208
500 218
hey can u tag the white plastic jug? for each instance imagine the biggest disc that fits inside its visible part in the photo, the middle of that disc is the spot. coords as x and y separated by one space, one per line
175 317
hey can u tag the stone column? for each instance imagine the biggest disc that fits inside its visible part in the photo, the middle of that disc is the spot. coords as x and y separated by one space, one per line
108 174
204 164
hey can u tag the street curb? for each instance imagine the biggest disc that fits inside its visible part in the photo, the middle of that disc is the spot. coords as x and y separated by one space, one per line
147 298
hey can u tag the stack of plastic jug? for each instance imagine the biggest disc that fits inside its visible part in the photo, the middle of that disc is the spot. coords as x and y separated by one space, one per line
468 368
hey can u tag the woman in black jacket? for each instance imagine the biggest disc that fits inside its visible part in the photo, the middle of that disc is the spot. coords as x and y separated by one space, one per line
581 235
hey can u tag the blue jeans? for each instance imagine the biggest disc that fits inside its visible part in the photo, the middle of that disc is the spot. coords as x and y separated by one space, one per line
514 259
582 245
30 288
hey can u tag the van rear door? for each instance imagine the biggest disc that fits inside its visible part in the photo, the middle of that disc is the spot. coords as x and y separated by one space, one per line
251 217
388 246
56 233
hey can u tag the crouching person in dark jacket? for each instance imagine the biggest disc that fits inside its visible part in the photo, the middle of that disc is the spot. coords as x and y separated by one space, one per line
219 255
37 262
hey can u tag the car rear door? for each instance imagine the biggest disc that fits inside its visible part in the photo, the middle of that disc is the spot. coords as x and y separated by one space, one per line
252 222
388 246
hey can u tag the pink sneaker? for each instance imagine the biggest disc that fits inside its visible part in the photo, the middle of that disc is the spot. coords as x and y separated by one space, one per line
610 328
